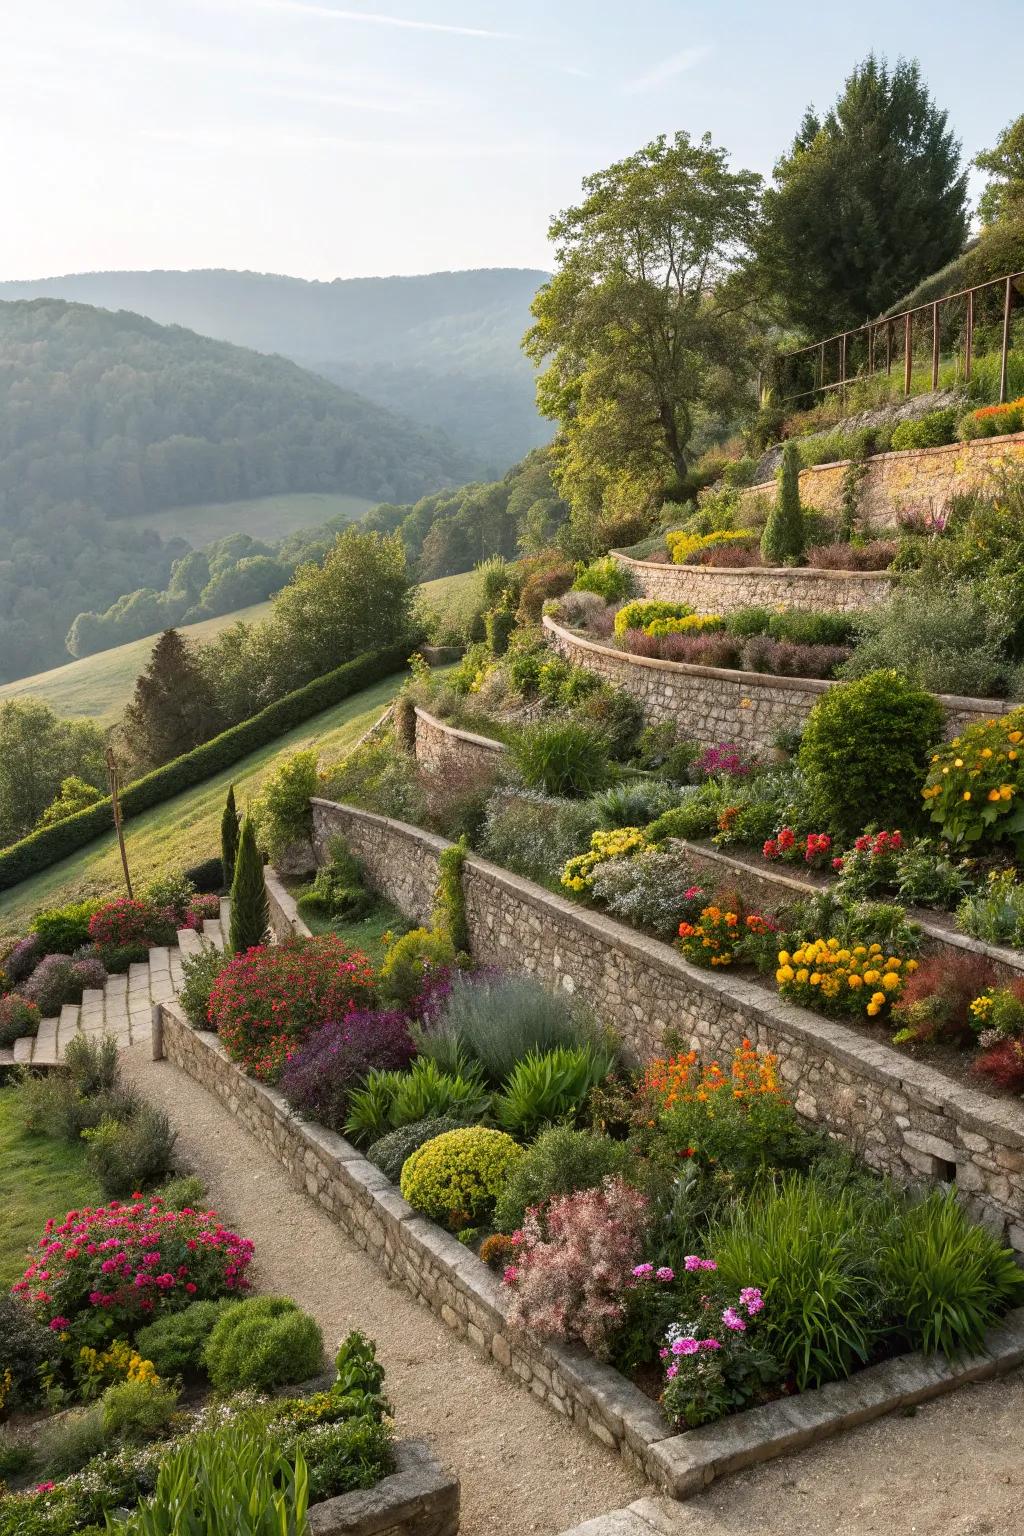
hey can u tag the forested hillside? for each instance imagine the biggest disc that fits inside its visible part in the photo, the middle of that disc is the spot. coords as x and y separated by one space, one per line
105 415
442 348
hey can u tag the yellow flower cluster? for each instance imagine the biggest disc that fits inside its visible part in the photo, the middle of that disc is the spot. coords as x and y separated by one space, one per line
861 978
578 873
976 781
118 1363
694 623
681 545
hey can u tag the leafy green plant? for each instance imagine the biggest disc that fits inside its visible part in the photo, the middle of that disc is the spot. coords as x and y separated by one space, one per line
865 744
131 1154
807 627
450 898
250 910
62 930
931 430
607 577
550 1086
560 1161
262 1342
946 1280
135 1411
996 912
950 638
199 971
634 802
337 889
499 624
456 1178
783 539
389 1099
561 758
282 811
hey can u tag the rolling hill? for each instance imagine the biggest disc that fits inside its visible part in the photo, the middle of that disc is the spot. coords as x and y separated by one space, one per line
106 417
442 349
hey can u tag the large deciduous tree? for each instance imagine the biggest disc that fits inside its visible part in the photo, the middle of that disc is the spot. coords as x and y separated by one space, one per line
1003 197
38 751
868 201
641 327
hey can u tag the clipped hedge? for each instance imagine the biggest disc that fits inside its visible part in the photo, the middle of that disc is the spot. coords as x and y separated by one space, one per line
51 844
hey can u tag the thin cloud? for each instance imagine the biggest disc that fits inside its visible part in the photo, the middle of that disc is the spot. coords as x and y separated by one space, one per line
667 69
376 19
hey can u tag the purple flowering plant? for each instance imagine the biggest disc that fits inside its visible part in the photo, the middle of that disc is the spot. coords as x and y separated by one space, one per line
320 1076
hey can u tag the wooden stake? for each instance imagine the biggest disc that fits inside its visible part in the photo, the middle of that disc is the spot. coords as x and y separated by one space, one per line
114 780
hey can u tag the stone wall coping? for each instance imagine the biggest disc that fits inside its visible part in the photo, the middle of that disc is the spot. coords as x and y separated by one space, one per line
877 1060
450 730
283 906
801 572
1012 959
949 701
419 1491
683 1464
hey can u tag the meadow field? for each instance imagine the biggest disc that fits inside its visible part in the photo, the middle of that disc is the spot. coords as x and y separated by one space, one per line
264 517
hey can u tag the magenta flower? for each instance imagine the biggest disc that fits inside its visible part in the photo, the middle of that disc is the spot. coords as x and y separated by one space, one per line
684 1346
752 1299
665 1275
732 1319
642 1271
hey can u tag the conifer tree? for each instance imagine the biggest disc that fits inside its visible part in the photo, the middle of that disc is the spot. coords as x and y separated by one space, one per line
229 825
250 912
782 542
172 709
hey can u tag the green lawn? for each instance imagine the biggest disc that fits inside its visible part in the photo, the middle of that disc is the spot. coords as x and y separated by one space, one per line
366 933
186 829
455 596
39 1177
264 517
99 686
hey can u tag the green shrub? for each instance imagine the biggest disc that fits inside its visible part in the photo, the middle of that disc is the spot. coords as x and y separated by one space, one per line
282 811
547 1087
117 958
560 1162
947 638
929 431
645 610
337 889
783 539
130 1154
24 1346
533 834
738 473
616 716
946 1280
262 1342
450 899
411 961
865 744
62 930
390 1152
135 1411
808 628
563 758
207 877
187 1189
41 849
17 1454
607 577
250 909
176 1343
379 776
456 1178
494 1021
200 971
499 624
694 817
745 622
388 1100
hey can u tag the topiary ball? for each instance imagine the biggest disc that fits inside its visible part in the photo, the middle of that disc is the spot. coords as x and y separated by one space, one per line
391 1152
262 1342
456 1178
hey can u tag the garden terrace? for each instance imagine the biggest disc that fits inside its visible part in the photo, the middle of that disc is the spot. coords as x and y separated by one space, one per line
715 704
911 478
907 1119
438 745
722 589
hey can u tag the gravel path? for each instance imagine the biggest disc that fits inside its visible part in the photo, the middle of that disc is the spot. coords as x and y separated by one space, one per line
522 1469
952 1468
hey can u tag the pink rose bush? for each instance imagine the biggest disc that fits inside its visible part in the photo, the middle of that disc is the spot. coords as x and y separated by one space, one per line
101 1273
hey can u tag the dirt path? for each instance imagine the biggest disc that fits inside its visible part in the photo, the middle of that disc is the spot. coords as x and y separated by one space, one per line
522 1469
953 1468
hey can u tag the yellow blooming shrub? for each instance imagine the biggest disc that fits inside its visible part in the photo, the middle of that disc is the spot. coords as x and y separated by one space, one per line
974 785
682 545
97 1369
622 843
645 610
456 1177
692 624
860 979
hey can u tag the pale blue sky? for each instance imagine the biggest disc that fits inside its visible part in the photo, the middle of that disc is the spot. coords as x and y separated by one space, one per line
326 139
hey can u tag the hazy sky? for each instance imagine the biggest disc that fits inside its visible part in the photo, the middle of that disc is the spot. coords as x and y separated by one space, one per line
326 139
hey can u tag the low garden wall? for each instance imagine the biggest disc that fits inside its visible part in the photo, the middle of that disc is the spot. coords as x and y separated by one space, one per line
914 479
905 1118
420 1498
715 704
449 1279
720 589
440 746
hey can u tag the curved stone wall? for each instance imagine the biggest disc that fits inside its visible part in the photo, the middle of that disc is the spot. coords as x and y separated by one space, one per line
906 1118
715 704
721 589
439 746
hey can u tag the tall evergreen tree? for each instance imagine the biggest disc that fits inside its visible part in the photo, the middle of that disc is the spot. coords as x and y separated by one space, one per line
229 827
250 911
869 200
172 709
782 542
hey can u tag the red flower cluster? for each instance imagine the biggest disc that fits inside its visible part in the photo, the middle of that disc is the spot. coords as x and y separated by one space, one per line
812 849
878 844
122 921
265 1003
102 1271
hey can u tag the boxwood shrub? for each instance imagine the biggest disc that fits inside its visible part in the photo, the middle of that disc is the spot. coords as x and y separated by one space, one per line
50 844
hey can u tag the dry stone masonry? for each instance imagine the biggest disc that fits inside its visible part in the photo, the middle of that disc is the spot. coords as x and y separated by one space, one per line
440 746
719 589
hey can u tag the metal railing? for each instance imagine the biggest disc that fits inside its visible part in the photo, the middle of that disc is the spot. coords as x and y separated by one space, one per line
891 340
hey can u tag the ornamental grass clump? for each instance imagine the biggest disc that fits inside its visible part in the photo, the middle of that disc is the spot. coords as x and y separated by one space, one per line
456 1178
266 1002
548 1087
561 758
574 1261
494 1021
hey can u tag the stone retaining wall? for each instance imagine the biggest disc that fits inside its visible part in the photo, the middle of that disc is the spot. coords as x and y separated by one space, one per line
714 704
418 1499
914 479
720 589
905 1118
440 746
449 1279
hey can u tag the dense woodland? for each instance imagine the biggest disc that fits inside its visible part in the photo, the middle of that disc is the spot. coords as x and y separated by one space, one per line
106 415
442 349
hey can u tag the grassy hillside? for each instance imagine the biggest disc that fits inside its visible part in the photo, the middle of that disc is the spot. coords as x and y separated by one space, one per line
186 828
269 518
99 686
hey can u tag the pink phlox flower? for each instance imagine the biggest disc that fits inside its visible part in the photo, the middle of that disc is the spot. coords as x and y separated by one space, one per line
732 1319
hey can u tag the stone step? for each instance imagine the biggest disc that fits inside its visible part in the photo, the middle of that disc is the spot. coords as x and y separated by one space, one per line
213 932
189 942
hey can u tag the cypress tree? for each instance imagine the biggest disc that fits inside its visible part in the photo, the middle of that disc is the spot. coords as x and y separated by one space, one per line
250 912
782 542
229 838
